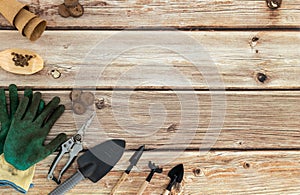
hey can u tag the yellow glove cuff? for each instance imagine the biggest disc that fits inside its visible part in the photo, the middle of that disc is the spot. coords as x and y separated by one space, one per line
10 176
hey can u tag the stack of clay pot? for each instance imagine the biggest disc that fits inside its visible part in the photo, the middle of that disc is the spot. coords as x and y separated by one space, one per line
26 22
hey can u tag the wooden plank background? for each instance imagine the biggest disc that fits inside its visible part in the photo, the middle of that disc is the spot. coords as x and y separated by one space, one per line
119 14
257 150
216 172
236 57
265 120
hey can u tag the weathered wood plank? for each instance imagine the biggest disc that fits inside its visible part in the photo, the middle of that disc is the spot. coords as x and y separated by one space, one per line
161 119
221 172
237 59
179 14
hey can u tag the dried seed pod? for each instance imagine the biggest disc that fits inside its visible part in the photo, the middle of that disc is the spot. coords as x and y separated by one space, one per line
76 11
63 11
79 108
71 3
87 98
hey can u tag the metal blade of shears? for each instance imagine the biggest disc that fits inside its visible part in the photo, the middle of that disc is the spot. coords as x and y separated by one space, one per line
86 124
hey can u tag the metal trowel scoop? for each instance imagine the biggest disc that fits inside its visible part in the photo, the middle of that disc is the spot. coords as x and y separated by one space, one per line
94 164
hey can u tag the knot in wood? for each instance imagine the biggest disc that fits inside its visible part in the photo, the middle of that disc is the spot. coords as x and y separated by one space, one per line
197 172
55 74
274 4
261 77
246 165
172 128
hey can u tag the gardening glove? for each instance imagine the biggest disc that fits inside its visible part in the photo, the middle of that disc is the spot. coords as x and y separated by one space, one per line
7 115
24 142
10 176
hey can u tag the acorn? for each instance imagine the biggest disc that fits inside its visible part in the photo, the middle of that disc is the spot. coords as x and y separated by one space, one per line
87 98
78 108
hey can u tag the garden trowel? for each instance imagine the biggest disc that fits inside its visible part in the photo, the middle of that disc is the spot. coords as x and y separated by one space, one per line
176 176
94 164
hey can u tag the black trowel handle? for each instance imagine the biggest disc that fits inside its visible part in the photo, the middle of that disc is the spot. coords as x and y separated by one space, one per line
68 184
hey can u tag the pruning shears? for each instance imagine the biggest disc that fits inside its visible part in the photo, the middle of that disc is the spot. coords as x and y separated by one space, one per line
72 146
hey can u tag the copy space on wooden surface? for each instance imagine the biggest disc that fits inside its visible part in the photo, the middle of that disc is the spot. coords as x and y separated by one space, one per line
219 172
217 14
236 57
254 52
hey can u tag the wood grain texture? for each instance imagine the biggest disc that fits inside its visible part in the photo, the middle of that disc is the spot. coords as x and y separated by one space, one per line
256 149
219 172
179 14
232 56
159 119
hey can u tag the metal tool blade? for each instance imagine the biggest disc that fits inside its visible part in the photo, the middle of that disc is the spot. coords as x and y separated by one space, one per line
133 161
135 158
86 124
137 155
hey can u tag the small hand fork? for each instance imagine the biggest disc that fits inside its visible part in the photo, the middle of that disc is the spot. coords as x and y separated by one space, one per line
154 169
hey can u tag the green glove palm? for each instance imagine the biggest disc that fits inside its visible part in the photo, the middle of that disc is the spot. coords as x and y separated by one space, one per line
24 142
7 115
